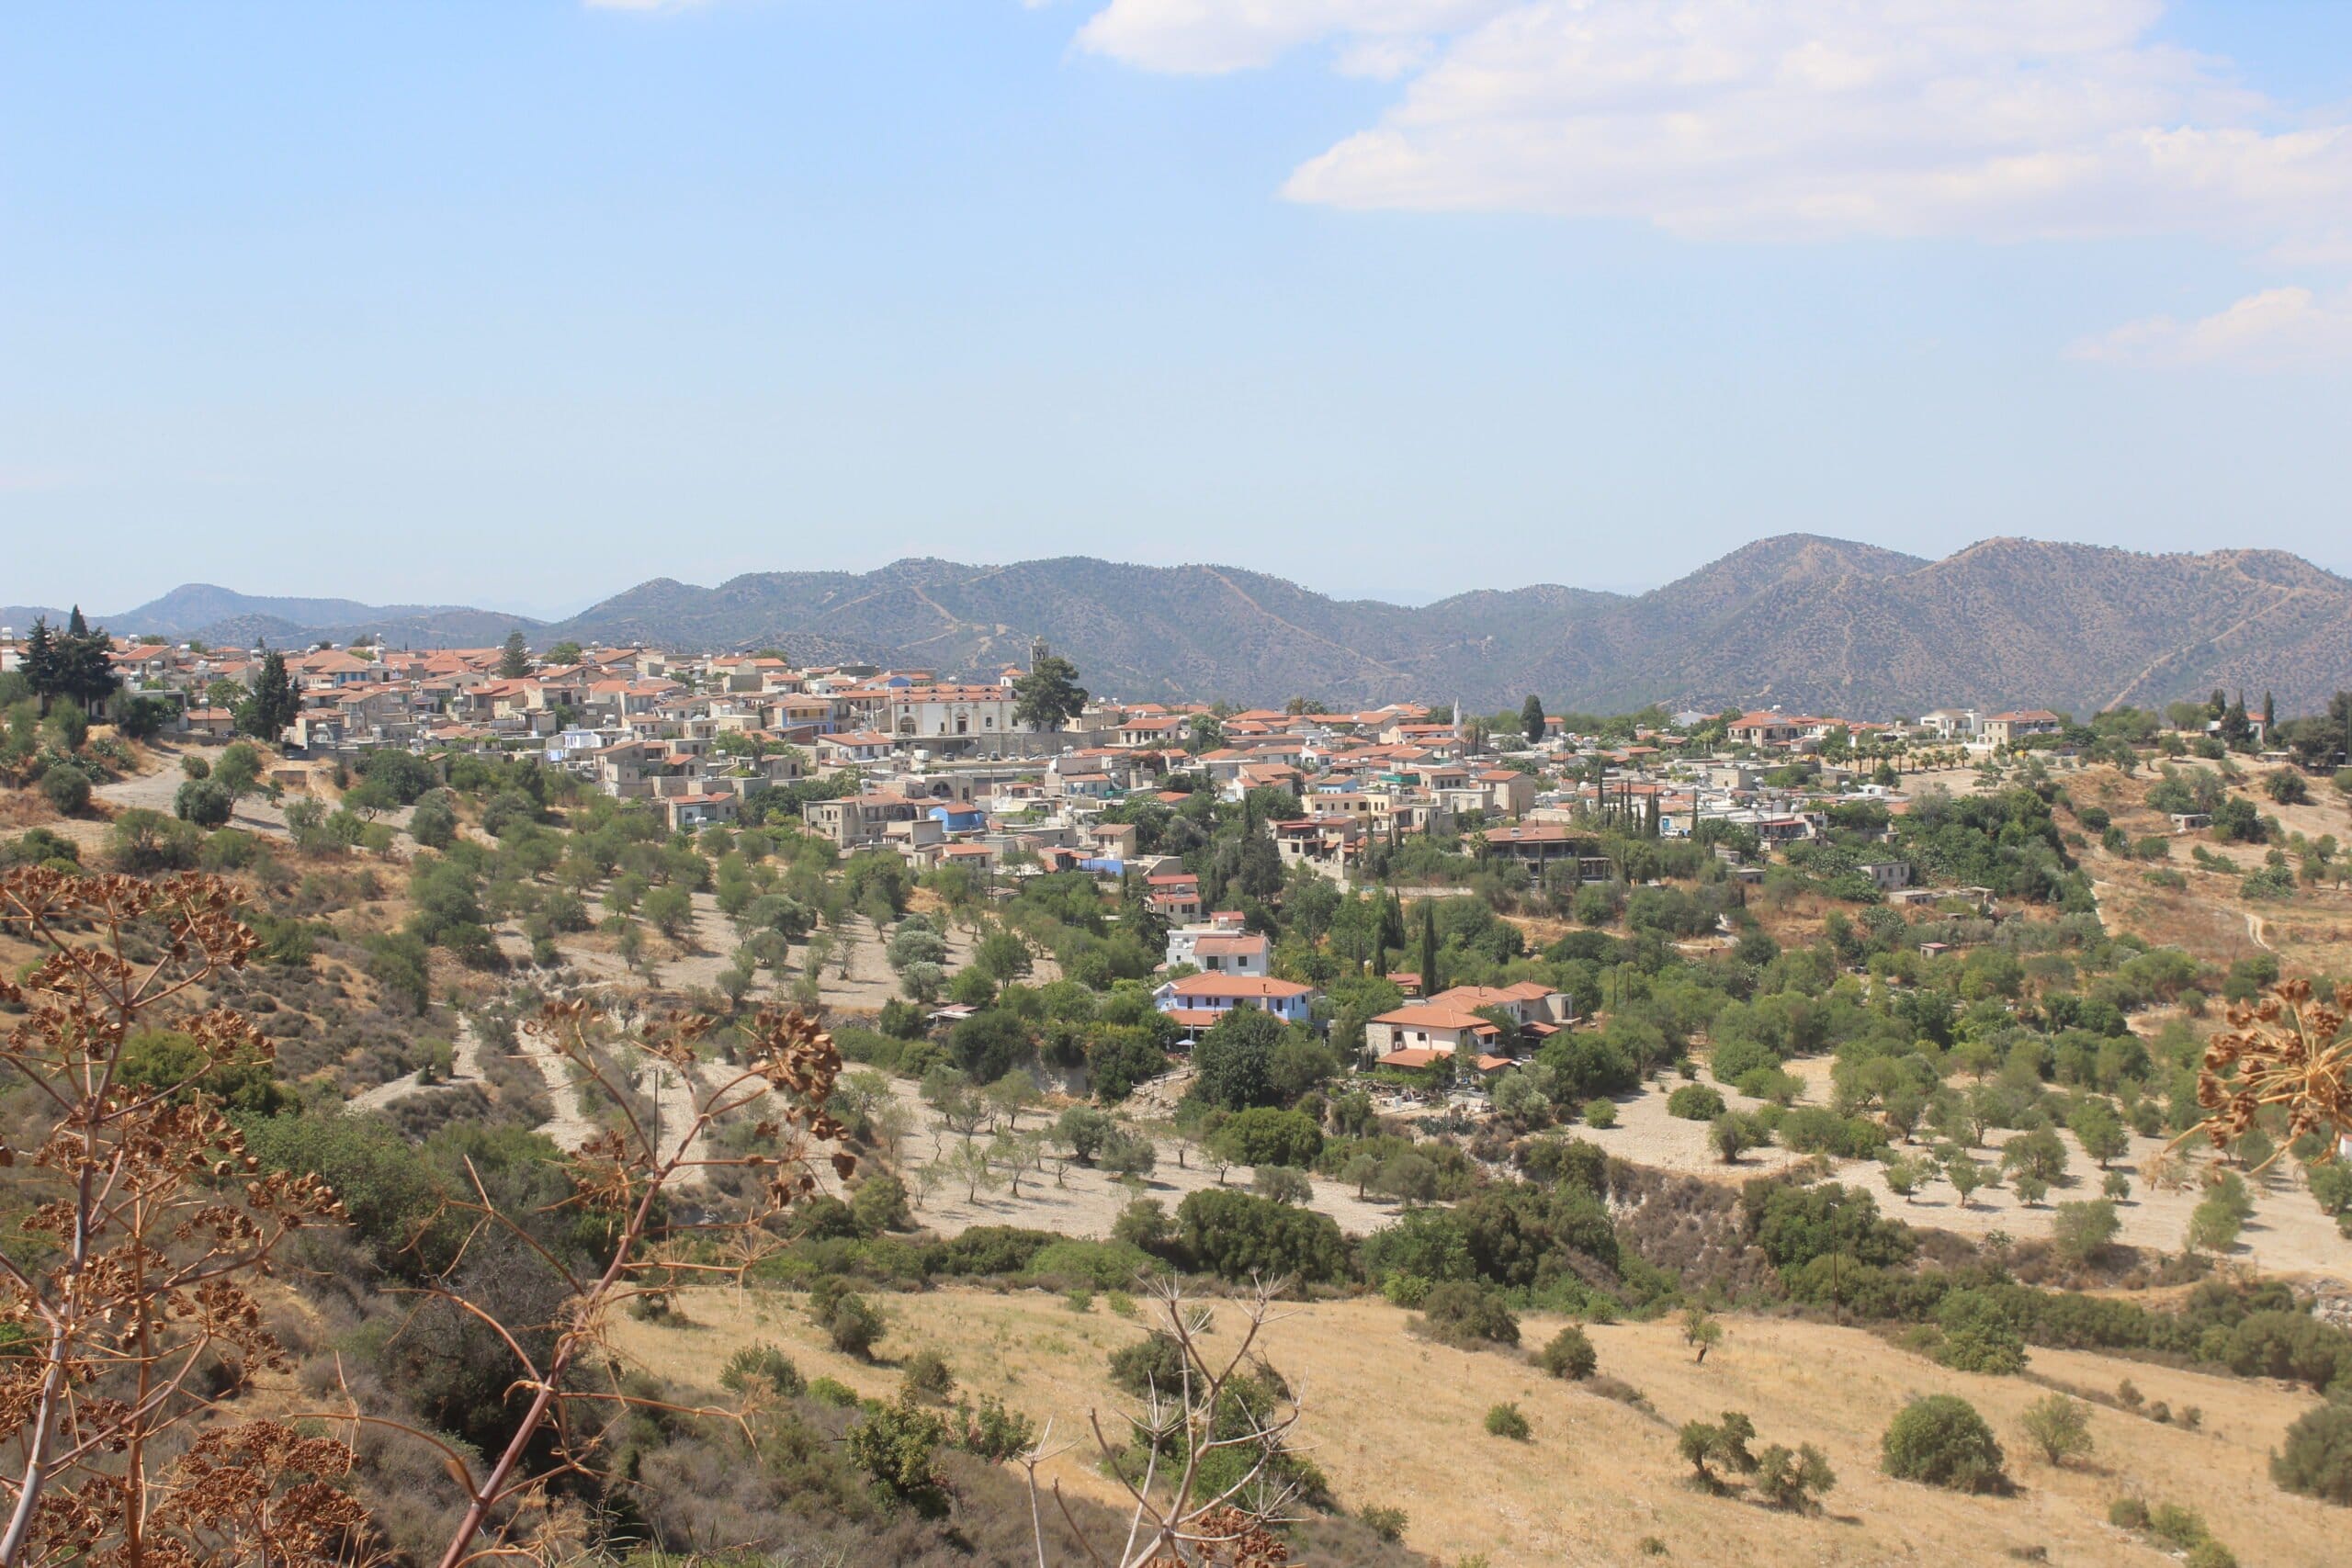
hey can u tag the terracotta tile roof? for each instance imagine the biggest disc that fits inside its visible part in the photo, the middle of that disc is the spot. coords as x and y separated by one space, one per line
1435 1015
1245 987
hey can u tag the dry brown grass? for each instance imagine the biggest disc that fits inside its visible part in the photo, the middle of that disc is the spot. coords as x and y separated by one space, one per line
1395 1420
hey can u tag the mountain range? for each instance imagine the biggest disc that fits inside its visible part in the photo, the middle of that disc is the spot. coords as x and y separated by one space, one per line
230 619
1796 621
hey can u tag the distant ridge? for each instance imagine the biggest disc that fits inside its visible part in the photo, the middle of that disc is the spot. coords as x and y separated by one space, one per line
1797 620
209 614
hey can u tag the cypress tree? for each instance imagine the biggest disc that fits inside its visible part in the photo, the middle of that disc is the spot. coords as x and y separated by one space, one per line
84 672
40 662
1429 986
1531 717
273 704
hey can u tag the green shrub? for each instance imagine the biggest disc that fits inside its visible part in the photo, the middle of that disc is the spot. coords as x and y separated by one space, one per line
1709 1444
2059 1426
850 1321
2128 1512
1264 1135
1794 1481
1776 1083
1386 1523
1234 1236
1103 1265
2285 1344
1941 1440
1399 1288
1978 1336
1505 1421
1155 1361
761 1363
204 802
1737 1057
896 1445
1460 1314
1731 1135
927 1377
2080 1232
2316 1461
1793 1225
994 1433
1568 1355
1282 1184
66 788
2175 1525
1695 1103
880 1204
833 1392
1812 1129
1601 1113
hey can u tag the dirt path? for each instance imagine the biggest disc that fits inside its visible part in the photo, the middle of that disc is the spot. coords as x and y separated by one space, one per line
465 1067
675 1096
567 1128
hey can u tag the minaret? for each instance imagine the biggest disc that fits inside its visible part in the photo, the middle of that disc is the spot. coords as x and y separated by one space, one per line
1457 726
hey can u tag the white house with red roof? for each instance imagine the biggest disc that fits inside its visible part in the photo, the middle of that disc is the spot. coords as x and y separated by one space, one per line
1197 1002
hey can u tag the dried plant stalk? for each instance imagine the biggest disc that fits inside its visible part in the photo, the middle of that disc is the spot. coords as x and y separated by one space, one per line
786 1071
2286 1051
1173 1517
148 1221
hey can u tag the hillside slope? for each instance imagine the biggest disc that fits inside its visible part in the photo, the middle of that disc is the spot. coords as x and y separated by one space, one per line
1396 1421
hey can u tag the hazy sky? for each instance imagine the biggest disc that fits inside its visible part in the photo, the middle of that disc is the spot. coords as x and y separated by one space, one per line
520 303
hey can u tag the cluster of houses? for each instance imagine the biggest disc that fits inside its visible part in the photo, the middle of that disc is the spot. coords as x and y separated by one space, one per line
943 773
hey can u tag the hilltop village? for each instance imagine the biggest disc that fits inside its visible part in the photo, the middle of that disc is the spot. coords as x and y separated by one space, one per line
1697 1051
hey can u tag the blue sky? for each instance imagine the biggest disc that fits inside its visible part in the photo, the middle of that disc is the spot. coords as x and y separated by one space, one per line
523 303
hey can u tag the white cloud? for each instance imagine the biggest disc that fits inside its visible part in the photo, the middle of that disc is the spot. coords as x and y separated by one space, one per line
1202 36
1999 119
2279 329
